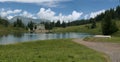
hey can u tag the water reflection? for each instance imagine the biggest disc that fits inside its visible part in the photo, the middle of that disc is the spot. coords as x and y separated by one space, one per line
18 34
25 37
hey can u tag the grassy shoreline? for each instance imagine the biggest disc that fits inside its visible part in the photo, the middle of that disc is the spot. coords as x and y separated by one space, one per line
97 31
62 50
10 30
86 29
112 40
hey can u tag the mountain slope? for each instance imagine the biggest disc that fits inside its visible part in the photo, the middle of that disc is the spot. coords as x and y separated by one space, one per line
26 20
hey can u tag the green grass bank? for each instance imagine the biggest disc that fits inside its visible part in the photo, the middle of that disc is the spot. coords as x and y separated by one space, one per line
85 29
63 50
112 39
10 29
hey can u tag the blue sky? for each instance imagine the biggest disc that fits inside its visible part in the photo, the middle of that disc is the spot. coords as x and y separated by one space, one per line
59 9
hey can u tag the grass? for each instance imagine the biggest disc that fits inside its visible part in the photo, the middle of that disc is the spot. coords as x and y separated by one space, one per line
81 28
63 50
113 39
115 36
10 29
85 29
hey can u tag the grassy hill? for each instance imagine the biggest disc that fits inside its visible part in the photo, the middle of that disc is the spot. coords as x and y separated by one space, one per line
10 29
81 28
85 29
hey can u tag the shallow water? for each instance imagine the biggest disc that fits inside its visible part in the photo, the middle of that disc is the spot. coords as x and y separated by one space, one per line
25 37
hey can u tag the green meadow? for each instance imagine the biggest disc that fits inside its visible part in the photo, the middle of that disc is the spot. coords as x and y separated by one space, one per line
97 31
62 50
81 28
85 29
10 29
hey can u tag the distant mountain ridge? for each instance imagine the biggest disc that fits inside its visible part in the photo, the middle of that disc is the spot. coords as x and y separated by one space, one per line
25 20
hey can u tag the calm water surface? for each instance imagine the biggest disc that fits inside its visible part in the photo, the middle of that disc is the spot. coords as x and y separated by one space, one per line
25 37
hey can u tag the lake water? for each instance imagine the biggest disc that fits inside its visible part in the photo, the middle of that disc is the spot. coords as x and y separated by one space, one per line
25 37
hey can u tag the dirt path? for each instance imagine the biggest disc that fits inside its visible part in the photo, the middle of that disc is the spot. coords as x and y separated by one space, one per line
111 49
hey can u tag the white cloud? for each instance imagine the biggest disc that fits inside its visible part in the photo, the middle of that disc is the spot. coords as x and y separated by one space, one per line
10 17
94 14
86 16
28 15
13 11
51 15
48 3
45 14
48 14
17 12
7 13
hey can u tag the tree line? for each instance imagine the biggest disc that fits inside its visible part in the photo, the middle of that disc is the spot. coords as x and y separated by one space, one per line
4 22
108 20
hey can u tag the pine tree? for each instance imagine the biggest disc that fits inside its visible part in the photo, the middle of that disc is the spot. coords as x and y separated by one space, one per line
93 24
64 24
48 25
117 12
18 23
108 26
58 24
30 25
4 22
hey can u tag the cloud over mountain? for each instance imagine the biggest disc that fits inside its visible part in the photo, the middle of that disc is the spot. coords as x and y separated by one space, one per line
7 13
94 14
28 15
43 13
48 14
51 15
